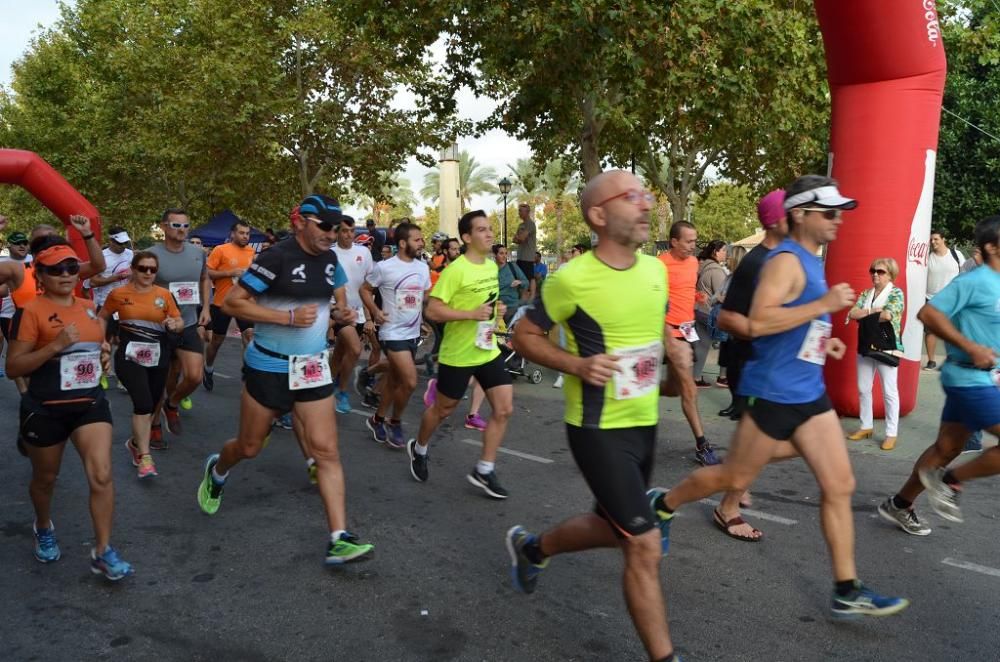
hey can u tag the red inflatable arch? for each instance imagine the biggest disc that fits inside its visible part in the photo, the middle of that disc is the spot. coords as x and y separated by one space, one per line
34 175
886 68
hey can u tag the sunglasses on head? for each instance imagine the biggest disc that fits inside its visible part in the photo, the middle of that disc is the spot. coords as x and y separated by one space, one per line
828 214
143 269
65 268
880 272
179 226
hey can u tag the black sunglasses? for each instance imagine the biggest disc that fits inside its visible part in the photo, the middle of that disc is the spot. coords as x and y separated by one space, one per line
146 270
325 226
828 214
880 272
18 243
66 268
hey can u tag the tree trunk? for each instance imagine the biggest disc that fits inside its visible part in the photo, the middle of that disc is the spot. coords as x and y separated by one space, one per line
664 213
590 136
559 228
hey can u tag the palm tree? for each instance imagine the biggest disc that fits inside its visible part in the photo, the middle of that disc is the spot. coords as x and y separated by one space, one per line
527 185
473 179
557 181
396 195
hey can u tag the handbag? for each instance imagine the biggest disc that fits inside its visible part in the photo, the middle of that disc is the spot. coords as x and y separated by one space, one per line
877 340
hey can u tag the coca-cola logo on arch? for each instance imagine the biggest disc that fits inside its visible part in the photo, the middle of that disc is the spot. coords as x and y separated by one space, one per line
916 252
933 27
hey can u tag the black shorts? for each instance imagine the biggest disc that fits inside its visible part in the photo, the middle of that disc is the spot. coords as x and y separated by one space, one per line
5 326
780 421
617 465
360 328
410 346
452 380
43 426
220 321
528 267
190 341
270 389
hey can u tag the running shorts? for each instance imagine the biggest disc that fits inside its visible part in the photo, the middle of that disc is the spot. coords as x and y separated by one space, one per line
780 421
190 341
220 321
401 346
44 426
270 389
975 407
452 380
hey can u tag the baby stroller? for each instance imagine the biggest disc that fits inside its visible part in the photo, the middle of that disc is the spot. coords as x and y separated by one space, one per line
515 364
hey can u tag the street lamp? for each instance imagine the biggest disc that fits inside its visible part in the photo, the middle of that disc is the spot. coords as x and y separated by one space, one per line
504 185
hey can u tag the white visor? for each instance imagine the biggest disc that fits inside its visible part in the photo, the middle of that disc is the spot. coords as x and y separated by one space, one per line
121 237
824 196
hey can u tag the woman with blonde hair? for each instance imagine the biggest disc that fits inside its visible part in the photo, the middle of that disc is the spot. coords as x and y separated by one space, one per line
886 301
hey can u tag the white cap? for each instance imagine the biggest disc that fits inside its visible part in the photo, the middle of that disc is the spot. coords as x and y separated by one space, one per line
121 237
824 196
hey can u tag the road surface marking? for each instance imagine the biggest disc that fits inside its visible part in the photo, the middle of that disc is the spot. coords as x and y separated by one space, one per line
974 567
756 513
508 451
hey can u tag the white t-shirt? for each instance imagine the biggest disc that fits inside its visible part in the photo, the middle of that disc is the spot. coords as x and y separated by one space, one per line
941 269
356 262
115 263
402 285
7 303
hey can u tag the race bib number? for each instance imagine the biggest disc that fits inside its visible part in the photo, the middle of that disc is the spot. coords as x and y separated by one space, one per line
485 335
813 348
186 293
688 331
79 370
309 370
146 354
409 301
638 370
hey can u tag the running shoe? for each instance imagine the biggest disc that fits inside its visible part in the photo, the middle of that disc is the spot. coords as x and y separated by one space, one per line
904 518
377 429
133 452
944 498
210 492
931 365
173 416
701 383
208 381
186 403
488 483
313 472
3 373
418 463
284 421
46 546
974 443
395 438
430 393
370 399
343 402
558 383
475 422
722 382
863 601
104 382
663 518
156 440
121 387
523 573
706 457
347 548
147 469
109 564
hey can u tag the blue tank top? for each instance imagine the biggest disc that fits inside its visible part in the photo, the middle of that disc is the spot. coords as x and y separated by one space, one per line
775 372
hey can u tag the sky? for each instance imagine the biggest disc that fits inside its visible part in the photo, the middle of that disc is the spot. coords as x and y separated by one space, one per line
21 19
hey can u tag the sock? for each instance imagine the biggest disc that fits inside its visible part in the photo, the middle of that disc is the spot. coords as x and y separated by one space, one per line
395 421
901 503
533 550
310 462
335 535
420 449
950 480
377 418
700 442
209 369
662 503
218 478
845 588
483 468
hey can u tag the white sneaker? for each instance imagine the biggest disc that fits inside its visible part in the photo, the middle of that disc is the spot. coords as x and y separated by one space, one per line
558 382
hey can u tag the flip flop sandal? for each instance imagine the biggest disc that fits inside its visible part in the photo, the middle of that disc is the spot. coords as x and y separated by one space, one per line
724 526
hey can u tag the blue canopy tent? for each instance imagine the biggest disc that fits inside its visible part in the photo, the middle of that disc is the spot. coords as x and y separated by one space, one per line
216 231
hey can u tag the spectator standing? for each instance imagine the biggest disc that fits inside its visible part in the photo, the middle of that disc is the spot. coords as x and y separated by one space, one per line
526 239
943 264
712 276
378 242
541 270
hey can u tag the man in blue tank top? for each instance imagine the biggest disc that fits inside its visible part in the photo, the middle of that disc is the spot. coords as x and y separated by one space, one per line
786 396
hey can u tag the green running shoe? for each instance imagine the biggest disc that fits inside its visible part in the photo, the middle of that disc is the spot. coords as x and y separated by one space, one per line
347 549
186 404
210 492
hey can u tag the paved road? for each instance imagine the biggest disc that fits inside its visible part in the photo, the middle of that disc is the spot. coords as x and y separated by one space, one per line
249 584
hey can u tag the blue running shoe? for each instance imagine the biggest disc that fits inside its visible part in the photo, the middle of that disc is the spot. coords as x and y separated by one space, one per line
395 436
865 602
706 457
46 547
377 429
110 564
343 402
284 422
523 573
663 518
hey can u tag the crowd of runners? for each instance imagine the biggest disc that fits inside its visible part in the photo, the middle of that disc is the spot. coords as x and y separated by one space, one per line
320 314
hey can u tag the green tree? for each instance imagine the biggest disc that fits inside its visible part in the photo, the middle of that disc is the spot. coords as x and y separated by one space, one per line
724 211
526 182
968 162
558 180
473 179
